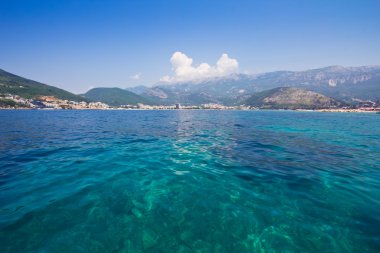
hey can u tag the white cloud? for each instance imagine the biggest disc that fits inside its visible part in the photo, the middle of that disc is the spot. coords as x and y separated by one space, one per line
136 76
184 70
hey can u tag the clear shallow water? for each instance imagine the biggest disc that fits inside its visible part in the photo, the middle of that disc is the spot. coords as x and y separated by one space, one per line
189 181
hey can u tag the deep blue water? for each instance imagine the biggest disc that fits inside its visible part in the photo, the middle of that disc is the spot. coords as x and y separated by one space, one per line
189 181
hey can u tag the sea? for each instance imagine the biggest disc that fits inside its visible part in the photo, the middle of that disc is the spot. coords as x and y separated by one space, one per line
189 181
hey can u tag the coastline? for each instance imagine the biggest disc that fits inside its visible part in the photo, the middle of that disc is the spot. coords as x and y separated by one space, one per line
200 109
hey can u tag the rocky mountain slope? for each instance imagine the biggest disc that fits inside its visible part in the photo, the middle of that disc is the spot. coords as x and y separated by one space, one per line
291 98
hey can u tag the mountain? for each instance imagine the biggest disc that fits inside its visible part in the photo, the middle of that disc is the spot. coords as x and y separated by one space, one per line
343 83
138 89
217 90
352 91
115 96
291 98
16 85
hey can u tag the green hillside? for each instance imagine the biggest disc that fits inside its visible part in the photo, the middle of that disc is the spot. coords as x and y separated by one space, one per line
16 85
115 96
291 98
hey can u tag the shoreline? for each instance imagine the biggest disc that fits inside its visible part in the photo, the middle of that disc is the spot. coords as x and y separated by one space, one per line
192 109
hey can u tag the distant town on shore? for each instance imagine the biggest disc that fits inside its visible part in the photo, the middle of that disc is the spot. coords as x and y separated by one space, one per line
10 101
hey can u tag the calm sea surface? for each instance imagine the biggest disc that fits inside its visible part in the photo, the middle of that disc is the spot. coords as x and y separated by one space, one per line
189 181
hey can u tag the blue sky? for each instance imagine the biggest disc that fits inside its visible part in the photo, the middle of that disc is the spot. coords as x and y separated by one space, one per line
76 45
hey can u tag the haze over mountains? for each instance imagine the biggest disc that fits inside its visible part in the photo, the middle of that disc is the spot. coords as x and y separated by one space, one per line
317 88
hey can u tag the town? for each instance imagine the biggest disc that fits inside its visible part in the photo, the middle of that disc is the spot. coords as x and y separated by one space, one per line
9 101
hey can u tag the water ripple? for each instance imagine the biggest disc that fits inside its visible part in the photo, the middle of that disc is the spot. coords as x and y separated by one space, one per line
189 181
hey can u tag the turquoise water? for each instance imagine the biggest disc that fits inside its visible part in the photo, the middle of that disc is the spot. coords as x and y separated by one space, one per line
189 181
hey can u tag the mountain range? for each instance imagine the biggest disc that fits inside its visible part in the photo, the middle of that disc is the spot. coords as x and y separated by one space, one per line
348 84
330 86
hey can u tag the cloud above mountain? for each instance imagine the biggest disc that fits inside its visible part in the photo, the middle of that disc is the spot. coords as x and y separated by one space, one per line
184 70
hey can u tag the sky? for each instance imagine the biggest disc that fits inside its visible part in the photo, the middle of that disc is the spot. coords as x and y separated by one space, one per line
77 45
